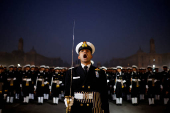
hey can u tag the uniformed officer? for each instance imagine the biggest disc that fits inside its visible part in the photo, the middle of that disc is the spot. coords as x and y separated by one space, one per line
150 85
135 79
112 83
33 78
63 74
47 82
55 85
10 84
128 83
165 83
158 83
39 86
18 74
119 85
89 85
143 83
26 83
2 89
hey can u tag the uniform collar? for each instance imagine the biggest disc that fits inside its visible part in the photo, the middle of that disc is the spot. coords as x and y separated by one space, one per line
82 65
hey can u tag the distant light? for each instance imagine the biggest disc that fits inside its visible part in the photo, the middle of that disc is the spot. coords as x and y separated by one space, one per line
153 59
153 66
19 65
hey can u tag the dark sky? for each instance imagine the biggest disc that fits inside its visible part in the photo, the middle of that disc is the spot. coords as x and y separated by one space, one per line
117 27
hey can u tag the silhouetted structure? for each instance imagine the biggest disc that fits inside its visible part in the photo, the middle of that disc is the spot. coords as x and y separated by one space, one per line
31 57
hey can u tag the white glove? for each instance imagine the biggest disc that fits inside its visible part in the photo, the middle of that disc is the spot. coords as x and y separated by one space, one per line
71 101
146 86
20 85
124 81
107 81
139 80
50 87
114 87
161 86
34 87
14 78
130 86
155 80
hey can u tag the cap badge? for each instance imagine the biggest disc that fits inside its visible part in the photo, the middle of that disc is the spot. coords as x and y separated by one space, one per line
84 44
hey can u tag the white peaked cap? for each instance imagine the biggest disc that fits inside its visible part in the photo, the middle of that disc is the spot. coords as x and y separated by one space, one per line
47 67
149 66
32 66
88 44
42 66
28 65
103 67
11 66
119 67
134 66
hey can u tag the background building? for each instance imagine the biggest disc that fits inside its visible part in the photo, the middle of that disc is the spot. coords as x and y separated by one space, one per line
143 59
31 57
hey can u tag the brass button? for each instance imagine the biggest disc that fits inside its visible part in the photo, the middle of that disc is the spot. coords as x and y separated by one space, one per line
81 104
87 104
82 86
88 87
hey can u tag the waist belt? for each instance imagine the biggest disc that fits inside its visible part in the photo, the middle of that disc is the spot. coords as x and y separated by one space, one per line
55 81
84 95
119 80
39 79
26 79
135 80
150 79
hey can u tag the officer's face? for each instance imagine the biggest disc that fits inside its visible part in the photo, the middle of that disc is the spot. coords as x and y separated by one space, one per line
119 70
32 69
85 56
156 69
27 68
165 69
134 69
10 69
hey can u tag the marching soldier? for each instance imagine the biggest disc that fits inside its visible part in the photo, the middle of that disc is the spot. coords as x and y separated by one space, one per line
88 93
2 89
55 85
128 83
143 83
63 74
18 74
26 83
39 87
10 84
135 85
120 79
165 83
47 82
112 83
158 84
150 85
33 78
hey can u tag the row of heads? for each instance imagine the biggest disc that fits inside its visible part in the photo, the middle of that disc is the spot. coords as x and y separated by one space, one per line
33 66
133 66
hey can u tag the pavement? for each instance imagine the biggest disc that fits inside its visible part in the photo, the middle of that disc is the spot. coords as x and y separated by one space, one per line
47 107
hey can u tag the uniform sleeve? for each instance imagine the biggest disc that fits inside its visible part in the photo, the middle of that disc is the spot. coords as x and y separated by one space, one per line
67 83
104 93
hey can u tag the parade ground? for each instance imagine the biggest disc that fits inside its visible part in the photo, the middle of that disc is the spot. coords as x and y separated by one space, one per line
48 107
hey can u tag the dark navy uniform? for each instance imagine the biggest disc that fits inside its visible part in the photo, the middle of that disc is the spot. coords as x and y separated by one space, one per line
10 86
135 87
151 87
89 90
55 86
40 86
2 88
26 85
